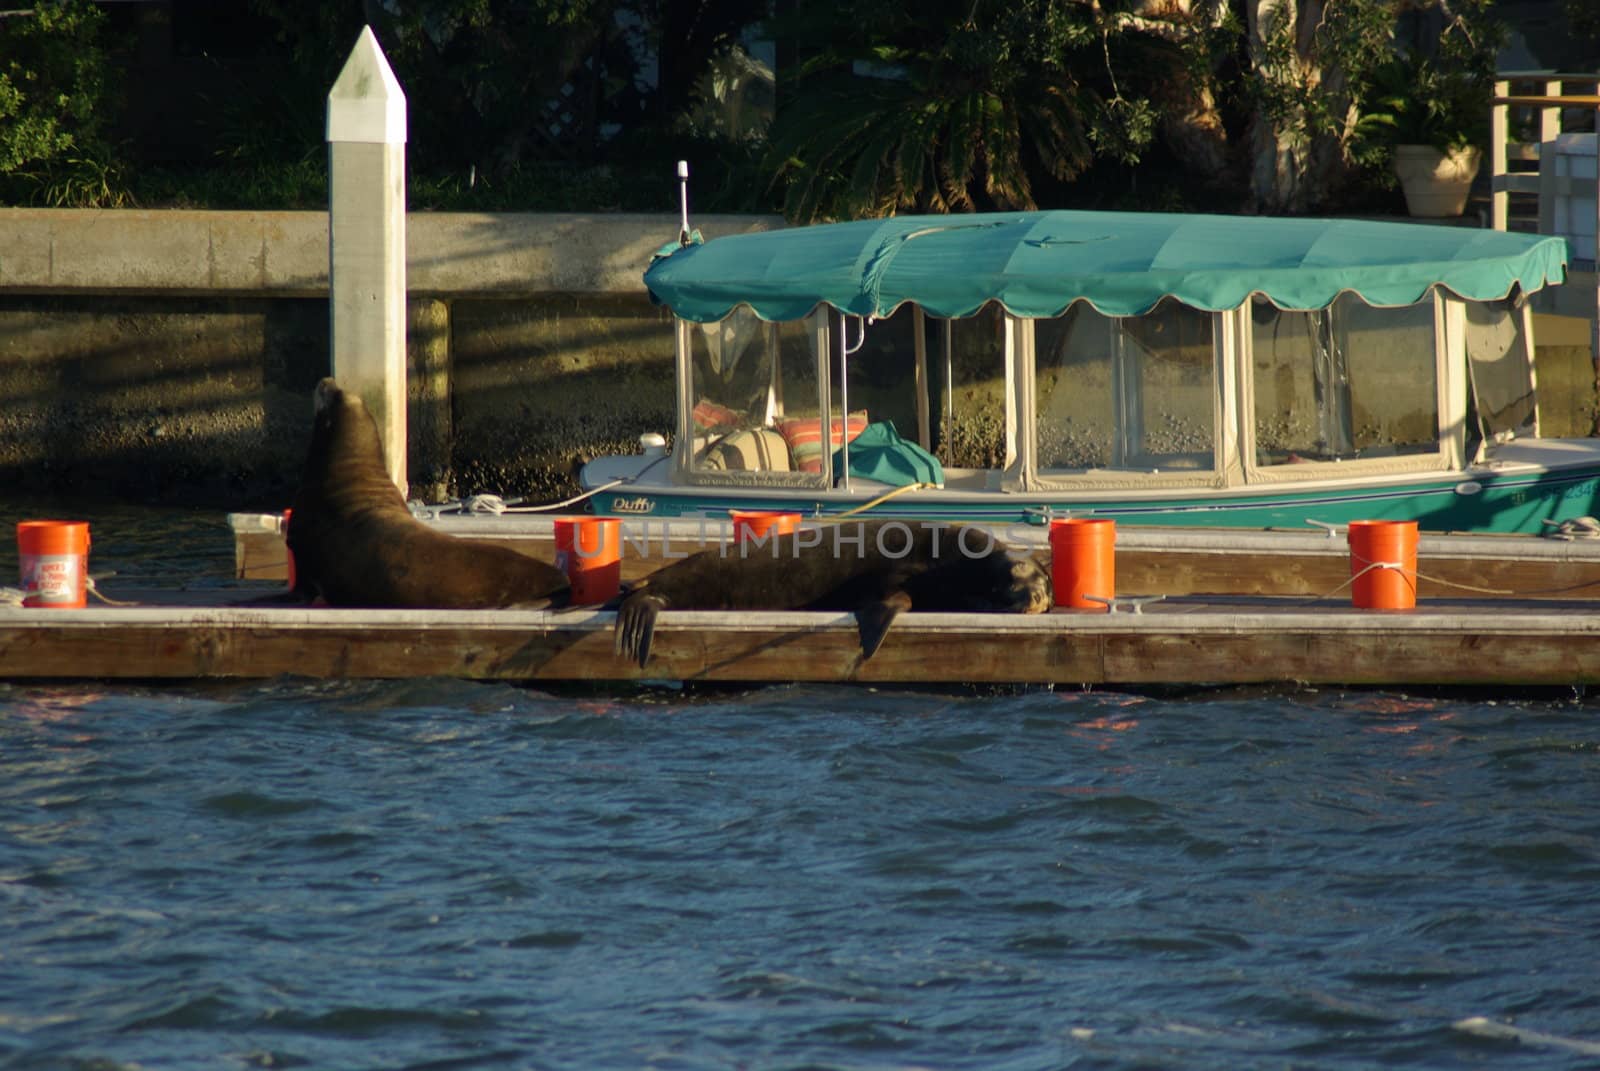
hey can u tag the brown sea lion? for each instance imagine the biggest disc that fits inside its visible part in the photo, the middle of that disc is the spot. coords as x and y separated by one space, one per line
874 569
355 543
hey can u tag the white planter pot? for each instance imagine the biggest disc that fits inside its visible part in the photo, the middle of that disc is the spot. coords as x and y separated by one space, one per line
1435 184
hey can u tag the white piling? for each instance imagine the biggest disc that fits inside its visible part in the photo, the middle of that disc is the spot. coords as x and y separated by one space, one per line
367 241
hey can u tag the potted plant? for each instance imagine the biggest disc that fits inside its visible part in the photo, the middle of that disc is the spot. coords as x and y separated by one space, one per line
1426 112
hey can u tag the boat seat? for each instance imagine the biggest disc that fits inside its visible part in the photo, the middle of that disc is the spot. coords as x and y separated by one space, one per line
748 449
1174 462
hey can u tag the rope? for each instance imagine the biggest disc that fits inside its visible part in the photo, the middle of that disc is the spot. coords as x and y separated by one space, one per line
594 491
574 500
496 505
1464 587
1400 566
16 596
882 499
1577 528
94 590
1442 582
1417 575
484 504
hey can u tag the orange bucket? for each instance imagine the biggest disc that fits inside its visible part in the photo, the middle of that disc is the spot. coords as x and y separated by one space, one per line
1383 564
1083 561
53 557
589 551
760 525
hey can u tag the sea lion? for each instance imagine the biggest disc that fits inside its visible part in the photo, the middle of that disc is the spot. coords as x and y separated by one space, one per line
355 543
875 569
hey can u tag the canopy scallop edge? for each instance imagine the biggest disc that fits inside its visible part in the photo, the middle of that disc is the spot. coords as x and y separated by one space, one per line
1036 264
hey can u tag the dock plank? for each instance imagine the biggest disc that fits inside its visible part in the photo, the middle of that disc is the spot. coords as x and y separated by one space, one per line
1304 567
1176 641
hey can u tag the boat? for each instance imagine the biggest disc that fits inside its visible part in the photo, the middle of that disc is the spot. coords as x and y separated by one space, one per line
1201 371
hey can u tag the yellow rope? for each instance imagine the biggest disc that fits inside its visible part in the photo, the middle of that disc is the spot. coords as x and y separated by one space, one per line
97 593
16 596
1353 578
1418 574
1464 587
882 499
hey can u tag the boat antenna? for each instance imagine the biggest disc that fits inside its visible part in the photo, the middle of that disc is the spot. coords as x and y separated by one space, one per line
683 202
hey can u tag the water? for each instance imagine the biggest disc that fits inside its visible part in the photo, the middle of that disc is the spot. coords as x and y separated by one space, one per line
451 874
132 546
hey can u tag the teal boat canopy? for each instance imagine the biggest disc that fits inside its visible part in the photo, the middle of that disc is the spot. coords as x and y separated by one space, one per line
1036 264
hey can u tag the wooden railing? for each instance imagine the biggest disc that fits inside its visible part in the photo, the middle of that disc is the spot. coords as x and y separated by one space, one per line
1536 168
1546 96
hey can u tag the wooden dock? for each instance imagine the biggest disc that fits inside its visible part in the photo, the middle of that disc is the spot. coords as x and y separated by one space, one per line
1194 608
1183 640
1149 561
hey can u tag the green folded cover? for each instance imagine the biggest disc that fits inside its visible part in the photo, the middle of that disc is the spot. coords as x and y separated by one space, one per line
879 453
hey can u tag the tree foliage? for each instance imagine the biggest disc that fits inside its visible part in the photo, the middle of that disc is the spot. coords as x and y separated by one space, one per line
54 104
1309 64
1335 83
1583 19
495 85
1433 87
960 104
942 105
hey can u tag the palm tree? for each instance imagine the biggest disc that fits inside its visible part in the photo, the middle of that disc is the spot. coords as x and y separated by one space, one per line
956 105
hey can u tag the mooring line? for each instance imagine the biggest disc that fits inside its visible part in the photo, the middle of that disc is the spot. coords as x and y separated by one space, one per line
94 590
1417 574
880 500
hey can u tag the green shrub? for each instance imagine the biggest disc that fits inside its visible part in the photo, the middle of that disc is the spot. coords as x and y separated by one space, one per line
55 98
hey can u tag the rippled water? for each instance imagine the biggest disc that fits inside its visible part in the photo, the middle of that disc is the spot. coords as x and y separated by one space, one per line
131 545
450 874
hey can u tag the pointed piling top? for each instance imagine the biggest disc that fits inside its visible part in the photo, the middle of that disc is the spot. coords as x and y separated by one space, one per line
366 103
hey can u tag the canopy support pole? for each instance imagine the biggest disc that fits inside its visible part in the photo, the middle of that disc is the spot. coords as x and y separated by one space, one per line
919 330
949 390
845 350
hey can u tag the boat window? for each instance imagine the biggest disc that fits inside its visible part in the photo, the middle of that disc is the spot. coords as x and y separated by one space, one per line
1136 392
748 379
1347 381
880 383
1502 373
967 380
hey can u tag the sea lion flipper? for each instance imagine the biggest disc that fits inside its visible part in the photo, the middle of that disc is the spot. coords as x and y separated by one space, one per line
874 618
636 625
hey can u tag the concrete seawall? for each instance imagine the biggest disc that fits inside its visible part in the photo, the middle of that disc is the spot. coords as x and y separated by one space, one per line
170 355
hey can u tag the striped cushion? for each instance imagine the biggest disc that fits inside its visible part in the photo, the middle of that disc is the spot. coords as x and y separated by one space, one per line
753 448
709 415
804 435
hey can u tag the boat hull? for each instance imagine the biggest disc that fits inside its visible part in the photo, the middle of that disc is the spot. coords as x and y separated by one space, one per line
1473 501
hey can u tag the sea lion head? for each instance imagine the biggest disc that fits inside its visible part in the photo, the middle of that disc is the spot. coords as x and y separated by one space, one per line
344 473
1003 579
344 417
326 395
338 420
346 450
1029 591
